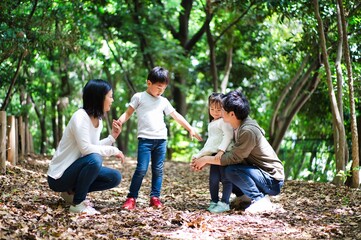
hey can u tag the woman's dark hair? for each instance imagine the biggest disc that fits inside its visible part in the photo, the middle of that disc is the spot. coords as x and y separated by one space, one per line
158 74
94 93
235 101
214 98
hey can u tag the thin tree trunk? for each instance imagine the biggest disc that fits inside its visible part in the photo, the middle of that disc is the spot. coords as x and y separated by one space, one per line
228 67
341 164
212 58
284 93
13 80
335 112
355 182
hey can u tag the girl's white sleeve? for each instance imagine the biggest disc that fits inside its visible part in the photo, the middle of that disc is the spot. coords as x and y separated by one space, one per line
227 135
81 128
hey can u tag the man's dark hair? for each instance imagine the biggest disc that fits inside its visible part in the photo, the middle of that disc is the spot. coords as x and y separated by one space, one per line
235 101
158 74
94 93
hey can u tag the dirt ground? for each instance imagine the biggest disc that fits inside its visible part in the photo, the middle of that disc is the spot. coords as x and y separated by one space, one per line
304 210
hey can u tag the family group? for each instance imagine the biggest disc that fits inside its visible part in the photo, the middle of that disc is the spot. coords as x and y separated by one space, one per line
236 150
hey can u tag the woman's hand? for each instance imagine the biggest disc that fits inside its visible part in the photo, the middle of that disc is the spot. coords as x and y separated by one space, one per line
116 128
120 155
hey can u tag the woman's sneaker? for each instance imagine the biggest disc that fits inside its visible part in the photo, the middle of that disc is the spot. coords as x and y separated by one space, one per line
83 208
211 206
221 207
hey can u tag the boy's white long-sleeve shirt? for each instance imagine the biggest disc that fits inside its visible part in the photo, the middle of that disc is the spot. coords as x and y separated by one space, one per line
220 135
80 138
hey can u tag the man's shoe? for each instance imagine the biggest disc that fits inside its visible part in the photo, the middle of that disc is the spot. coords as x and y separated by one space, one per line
129 204
241 202
262 205
155 202
83 208
221 207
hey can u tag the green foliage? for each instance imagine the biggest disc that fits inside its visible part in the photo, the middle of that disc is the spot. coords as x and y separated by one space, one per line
68 43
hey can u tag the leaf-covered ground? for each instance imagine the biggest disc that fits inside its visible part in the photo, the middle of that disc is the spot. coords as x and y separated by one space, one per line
305 210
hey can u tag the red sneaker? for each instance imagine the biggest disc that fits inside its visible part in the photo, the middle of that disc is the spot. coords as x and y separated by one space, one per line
155 202
129 204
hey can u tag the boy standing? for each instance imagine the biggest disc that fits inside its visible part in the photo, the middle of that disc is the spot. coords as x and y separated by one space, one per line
252 165
152 134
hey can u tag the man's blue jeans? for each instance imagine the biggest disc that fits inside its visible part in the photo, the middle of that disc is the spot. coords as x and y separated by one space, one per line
149 150
85 175
252 181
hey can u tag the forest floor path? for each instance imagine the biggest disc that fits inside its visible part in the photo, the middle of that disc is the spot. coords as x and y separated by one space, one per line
305 210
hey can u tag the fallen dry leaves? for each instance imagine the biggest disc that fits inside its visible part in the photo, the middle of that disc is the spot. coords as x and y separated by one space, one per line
305 210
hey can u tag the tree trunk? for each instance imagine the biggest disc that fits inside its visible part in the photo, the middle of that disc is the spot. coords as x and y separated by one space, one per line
148 60
293 98
13 80
179 95
3 125
355 182
284 93
340 154
187 45
228 68
341 164
212 59
42 123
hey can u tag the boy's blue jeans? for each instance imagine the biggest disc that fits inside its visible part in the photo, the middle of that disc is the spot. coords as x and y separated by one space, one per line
217 175
85 175
149 150
252 181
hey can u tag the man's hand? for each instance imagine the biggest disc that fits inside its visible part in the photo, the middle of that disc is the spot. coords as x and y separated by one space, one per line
198 164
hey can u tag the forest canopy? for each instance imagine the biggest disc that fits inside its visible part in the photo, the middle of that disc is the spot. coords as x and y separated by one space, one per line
271 50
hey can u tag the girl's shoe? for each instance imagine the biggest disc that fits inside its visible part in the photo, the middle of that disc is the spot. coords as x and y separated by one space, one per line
221 207
211 206
83 208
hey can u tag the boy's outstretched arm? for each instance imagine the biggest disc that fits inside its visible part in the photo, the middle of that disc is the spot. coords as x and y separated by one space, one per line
183 122
126 115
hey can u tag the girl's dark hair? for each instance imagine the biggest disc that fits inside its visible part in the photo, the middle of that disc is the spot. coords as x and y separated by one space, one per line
158 74
214 98
235 101
94 93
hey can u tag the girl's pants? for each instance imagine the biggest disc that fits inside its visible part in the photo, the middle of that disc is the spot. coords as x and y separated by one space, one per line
217 175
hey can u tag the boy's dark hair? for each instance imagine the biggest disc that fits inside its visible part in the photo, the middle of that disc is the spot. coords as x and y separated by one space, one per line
94 93
158 74
235 101
214 98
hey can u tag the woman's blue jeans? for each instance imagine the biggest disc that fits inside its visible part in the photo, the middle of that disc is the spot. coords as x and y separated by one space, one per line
153 150
217 175
252 181
85 175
